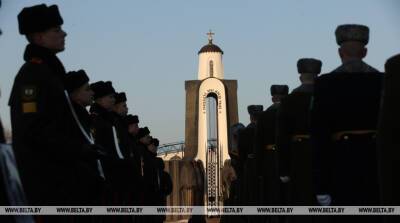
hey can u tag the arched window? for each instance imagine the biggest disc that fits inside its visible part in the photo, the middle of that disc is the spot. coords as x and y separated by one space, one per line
211 68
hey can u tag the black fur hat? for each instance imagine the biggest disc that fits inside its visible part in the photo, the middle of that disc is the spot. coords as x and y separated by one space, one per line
102 89
120 97
143 132
254 109
279 90
38 18
309 65
75 79
132 119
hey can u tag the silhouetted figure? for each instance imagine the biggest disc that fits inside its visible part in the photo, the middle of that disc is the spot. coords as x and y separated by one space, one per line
88 167
266 152
38 110
388 144
344 124
45 154
293 139
128 171
164 183
246 143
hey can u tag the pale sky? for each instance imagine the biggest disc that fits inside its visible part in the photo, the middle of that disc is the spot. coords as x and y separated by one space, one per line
149 48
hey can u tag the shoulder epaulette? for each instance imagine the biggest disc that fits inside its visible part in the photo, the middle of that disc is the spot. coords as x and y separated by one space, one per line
36 60
93 114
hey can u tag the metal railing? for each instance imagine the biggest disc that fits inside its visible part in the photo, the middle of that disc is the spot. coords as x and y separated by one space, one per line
177 147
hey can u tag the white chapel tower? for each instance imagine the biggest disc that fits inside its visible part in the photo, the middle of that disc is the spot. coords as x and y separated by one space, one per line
211 108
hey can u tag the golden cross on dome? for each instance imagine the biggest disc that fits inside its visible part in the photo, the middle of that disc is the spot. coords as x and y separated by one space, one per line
210 36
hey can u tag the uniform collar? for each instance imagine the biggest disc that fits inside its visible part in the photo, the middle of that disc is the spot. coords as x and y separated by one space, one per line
355 66
82 114
35 52
273 106
305 88
98 110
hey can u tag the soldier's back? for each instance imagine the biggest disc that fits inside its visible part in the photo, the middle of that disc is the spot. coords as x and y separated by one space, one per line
294 147
345 114
352 99
267 159
297 108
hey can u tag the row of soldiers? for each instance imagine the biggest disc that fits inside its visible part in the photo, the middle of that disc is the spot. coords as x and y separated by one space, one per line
314 146
318 144
66 155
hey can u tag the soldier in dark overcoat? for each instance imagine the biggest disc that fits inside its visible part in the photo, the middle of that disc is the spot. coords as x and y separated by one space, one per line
89 168
388 144
266 154
293 140
344 125
246 142
293 136
40 131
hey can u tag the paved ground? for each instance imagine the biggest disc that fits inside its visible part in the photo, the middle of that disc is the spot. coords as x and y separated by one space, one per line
209 220
213 220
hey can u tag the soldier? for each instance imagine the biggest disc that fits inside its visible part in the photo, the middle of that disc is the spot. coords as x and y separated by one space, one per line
343 126
233 139
89 169
164 182
44 151
148 168
266 156
388 153
234 193
131 172
117 163
149 171
120 107
132 122
105 135
234 147
120 111
133 125
293 136
246 152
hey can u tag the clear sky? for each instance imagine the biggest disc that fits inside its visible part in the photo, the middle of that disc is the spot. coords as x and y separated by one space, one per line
149 48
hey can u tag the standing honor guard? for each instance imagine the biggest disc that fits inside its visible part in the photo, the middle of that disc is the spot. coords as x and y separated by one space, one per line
266 152
128 169
89 169
120 111
343 126
246 143
293 136
105 133
116 162
235 196
388 143
293 140
164 181
41 134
